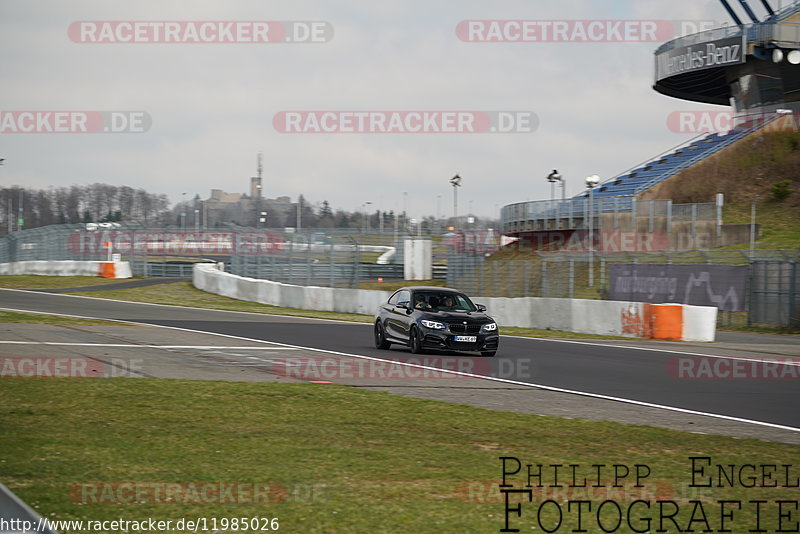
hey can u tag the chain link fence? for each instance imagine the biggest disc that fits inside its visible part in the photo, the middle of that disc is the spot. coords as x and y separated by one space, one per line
334 258
588 276
339 258
775 293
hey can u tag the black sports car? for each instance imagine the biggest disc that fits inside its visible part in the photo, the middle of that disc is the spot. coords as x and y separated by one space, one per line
435 318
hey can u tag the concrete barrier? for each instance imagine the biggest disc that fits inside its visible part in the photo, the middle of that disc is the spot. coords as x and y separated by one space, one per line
107 269
603 317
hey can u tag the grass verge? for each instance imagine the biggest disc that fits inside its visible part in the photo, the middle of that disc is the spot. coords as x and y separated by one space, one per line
30 281
34 318
339 459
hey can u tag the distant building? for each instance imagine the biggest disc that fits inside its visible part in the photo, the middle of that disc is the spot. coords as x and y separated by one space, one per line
238 208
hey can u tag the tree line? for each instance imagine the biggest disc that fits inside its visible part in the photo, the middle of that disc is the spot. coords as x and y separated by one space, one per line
97 203
79 204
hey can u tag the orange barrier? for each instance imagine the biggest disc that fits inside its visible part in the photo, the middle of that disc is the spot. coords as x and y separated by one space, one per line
666 321
107 269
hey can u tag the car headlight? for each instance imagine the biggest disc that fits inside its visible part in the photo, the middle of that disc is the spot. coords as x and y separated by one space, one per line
489 327
433 325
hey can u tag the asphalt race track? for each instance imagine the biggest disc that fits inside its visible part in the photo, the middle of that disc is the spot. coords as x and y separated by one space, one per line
646 376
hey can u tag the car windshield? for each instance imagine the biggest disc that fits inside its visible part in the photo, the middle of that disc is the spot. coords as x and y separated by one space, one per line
442 301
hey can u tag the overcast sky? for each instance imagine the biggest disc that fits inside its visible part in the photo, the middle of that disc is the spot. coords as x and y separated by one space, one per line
212 105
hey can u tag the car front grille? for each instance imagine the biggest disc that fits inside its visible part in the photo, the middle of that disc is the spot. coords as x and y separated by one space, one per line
458 328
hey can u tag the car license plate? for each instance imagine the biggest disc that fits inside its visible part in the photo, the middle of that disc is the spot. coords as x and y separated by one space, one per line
466 339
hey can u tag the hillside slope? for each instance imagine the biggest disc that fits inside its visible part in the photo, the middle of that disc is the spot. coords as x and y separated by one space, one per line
750 168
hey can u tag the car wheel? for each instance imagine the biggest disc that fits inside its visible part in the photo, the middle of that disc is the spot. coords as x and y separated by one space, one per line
380 337
414 341
489 353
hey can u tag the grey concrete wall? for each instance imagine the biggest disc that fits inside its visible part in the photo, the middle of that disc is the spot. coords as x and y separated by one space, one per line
604 317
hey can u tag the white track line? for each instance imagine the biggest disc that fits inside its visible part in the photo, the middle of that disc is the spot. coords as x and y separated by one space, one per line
133 346
459 373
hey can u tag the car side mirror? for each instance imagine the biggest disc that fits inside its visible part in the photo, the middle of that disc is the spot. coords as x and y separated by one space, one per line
403 305
481 307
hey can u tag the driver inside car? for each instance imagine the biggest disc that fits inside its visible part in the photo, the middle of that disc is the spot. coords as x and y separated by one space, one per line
421 304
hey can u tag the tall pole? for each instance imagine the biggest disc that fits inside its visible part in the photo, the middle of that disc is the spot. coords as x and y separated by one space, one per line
365 226
405 216
299 211
455 204
19 216
456 181
396 220
438 211
753 227
591 183
183 211
381 214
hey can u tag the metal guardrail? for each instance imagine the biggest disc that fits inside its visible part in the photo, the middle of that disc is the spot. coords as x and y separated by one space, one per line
15 515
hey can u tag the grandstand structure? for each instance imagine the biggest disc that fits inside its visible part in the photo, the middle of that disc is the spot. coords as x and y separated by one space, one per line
754 68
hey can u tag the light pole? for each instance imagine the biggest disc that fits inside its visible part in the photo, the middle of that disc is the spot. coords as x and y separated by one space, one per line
258 198
405 213
753 226
10 205
365 226
299 212
183 211
438 211
456 181
554 177
591 183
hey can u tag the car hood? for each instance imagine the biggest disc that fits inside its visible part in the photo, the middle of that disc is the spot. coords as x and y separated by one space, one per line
474 317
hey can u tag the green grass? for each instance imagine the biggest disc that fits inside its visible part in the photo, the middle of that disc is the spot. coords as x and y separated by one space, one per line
34 318
350 461
780 224
30 281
